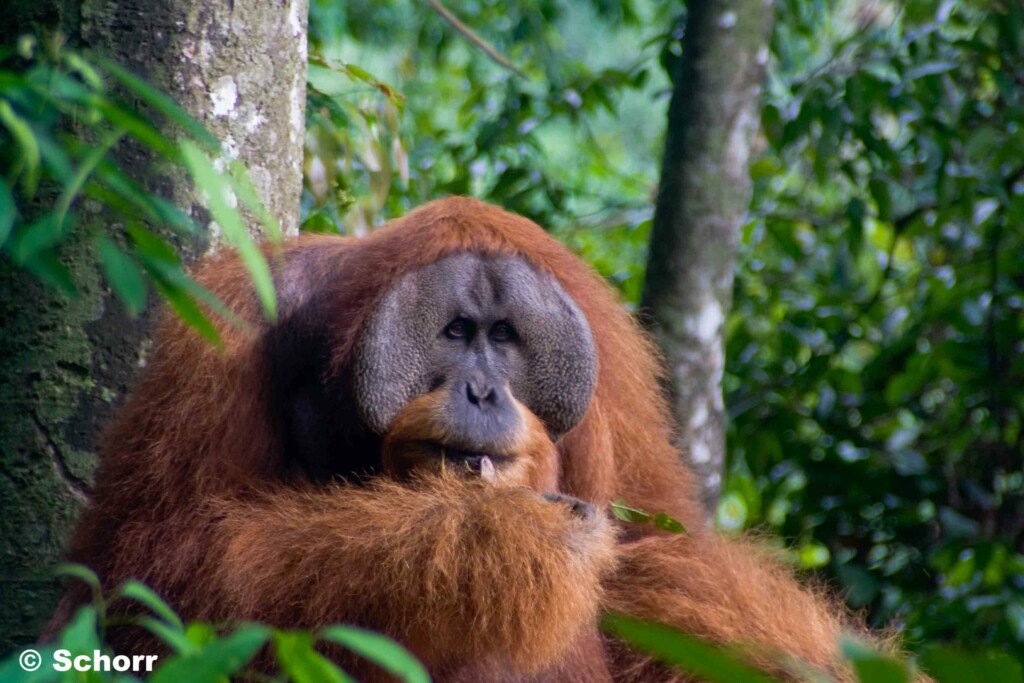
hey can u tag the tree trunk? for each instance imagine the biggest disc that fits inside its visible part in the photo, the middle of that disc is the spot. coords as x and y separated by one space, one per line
240 68
702 201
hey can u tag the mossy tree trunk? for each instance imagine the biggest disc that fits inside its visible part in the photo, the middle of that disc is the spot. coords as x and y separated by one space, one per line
240 68
702 201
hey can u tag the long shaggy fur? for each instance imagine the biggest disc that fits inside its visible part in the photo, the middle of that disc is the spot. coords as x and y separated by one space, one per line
197 496
458 571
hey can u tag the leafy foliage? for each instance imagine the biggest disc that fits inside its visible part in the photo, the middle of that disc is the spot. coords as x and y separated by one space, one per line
874 354
548 143
714 663
60 124
202 652
661 520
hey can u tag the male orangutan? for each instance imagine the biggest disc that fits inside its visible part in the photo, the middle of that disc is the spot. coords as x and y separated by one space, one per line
409 449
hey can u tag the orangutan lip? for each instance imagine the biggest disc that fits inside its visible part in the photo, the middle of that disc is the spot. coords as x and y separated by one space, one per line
470 458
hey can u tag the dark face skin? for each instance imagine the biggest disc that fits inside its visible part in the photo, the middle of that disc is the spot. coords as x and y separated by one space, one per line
482 330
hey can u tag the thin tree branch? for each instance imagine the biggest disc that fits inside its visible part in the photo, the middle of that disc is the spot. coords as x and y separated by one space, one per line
472 37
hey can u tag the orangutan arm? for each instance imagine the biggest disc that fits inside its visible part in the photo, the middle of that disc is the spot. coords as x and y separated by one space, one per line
458 571
728 592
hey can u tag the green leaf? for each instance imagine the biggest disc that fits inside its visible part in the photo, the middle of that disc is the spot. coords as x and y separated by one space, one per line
319 223
137 127
883 198
156 209
11 670
929 69
358 73
183 304
217 190
8 211
872 666
131 123
161 102
247 193
665 522
151 245
55 155
683 652
661 520
954 665
174 637
814 556
32 239
218 660
175 275
76 63
303 664
379 649
82 632
134 590
200 633
731 512
85 575
47 267
628 514
123 274
26 139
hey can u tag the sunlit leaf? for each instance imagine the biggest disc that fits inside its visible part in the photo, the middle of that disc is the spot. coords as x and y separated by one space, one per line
161 102
217 660
83 574
250 198
666 522
360 74
78 178
8 211
683 652
219 194
139 592
303 664
379 649
183 304
26 139
174 637
954 665
82 632
629 514
871 665
155 208
47 267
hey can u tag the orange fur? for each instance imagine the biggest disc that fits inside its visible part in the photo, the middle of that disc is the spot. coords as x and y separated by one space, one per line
195 494
727 592
532 459
424 564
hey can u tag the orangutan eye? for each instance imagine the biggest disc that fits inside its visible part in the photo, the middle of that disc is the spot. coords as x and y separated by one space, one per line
502 332
460 328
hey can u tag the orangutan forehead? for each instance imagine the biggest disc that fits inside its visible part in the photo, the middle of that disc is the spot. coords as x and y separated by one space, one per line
478 283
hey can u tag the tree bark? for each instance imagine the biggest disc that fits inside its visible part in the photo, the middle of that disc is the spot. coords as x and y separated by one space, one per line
702 201
240 68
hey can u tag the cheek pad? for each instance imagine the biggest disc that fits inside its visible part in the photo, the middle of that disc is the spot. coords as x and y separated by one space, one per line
392 361
561 360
